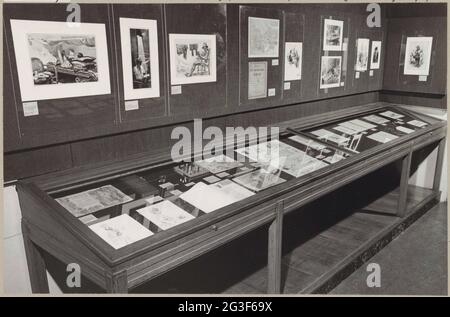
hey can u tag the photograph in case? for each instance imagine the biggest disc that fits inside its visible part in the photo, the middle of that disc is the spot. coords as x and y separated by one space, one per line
330 72
192 58
418 56
332 35
140 64
52 53
263 37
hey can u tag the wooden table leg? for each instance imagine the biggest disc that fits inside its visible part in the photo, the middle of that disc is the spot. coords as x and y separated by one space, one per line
36 265
117 283
274 252
406 168
439 162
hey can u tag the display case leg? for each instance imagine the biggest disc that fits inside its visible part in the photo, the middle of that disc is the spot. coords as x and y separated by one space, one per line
439 163
117 283
406 167
36 264
274 251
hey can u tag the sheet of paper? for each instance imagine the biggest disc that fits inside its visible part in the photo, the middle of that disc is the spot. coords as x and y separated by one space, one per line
211 179
362 123
330 136
218 164
352 126
120 231
376 119
417 123
259 180
382 137
391 114
257 80
335 158
405 130
93 200
212 197
345 130
165 214
307 142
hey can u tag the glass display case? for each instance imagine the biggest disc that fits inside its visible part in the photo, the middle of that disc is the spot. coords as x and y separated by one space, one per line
128 222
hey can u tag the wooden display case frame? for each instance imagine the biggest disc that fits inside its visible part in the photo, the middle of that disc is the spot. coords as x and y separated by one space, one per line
46 225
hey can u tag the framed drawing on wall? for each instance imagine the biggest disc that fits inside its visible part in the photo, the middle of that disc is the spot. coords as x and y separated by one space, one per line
375 56
192 58
293 61
362 54
140 63
330 72
50 54
332 34
418 56
257 80
263 37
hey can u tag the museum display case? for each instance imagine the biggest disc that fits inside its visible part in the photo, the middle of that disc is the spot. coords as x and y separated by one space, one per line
127 222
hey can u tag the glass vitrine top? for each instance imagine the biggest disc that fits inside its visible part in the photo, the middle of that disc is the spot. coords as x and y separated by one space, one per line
132 207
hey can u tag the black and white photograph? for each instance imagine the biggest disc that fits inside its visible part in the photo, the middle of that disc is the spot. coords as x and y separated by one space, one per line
263 37
330 71
418 56
332 34
293 61
192 58
254 152
375 55
140 60
362 54
52 53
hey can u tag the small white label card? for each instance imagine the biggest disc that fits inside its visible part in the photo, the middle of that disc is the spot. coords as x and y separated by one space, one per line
30 108
344 46
342 83
271 92
287 85
131 105
176 90
357 75
274 62
371 73
423 78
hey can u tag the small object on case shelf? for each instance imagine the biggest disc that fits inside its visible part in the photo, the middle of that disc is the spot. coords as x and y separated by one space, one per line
191 170
212 179
137 185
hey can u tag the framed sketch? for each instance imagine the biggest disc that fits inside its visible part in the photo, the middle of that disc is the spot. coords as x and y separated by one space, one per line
332 35
362 54
293 61
55 60
257 80
140 64
192 58
330 72
263 37
418 56
375 55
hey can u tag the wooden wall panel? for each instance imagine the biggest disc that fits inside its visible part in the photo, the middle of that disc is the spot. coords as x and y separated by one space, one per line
68 118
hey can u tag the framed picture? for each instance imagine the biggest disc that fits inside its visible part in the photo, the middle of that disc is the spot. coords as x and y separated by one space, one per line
50 54
140 63
192 58
418 56
257 80
332 35
375 55
330 73
293 61
263 37
362 54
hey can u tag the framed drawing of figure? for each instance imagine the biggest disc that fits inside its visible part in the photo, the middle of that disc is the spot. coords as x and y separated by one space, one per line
375 56
418 56
332 35
140 61
50 54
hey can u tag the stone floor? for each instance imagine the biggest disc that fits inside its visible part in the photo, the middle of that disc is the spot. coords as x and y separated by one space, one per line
403 271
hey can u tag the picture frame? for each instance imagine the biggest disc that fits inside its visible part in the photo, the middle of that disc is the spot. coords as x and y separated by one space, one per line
375 56
332 34
193 58
418 56
140 60
362 54
50 54
263 37
293 61
330 71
